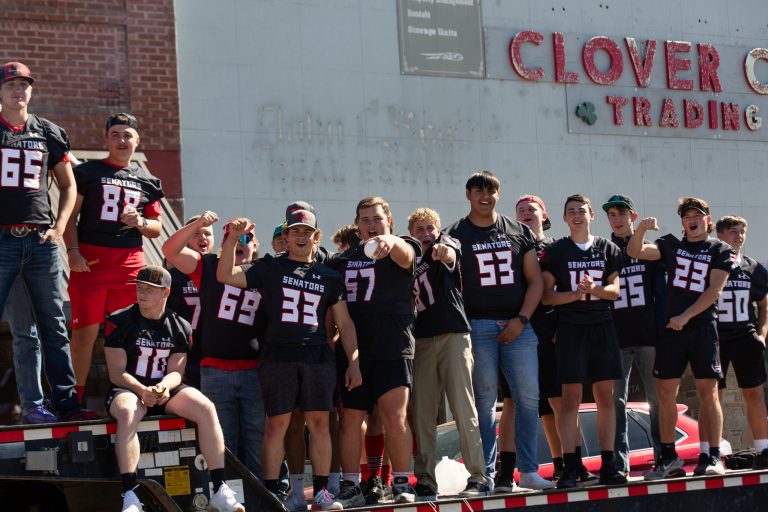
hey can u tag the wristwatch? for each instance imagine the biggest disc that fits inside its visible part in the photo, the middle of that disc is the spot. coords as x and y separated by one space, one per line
144 222
523 319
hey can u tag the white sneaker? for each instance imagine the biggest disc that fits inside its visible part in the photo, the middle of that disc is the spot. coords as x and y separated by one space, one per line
296 501
224 501
131 502
715 467
533 480
324 500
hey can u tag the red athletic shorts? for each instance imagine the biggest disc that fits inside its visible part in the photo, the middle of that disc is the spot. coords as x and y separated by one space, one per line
94 295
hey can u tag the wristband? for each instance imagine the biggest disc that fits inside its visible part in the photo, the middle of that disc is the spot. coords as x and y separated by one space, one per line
72 248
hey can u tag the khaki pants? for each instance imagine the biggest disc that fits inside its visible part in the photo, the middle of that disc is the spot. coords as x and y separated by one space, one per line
445 363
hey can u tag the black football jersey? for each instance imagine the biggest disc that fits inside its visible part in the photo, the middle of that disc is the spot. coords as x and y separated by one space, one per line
185 299
107 190
295 297
229 321
544 318
634 311
492 266
376 290
148 343
437 293
747 284
688 267
27 155
568 263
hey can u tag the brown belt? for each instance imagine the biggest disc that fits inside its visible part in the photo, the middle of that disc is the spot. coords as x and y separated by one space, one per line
21 230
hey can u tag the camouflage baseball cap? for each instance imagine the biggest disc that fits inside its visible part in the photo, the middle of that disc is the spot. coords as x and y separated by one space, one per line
12 70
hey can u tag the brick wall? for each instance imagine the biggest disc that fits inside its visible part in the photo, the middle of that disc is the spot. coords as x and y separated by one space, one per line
92 58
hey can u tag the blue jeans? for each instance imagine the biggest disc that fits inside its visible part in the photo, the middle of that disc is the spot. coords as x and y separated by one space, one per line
519 361
643 358
26 346
40 269
240 407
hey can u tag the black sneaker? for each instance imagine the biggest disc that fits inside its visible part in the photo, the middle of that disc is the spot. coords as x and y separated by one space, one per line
425 493
609 475
569 479
374 490
403 491
701 467
761 460
585 478
475 490
350 495
503 484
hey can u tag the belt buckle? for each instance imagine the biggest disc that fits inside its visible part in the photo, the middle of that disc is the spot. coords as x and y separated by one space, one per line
20 231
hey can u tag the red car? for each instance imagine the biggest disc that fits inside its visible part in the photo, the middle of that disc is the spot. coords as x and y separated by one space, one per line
638 430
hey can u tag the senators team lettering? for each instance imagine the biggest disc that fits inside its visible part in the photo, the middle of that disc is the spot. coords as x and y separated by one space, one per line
494 266
691 271
22 168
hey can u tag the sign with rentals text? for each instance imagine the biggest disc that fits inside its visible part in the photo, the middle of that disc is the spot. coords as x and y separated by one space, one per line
631 86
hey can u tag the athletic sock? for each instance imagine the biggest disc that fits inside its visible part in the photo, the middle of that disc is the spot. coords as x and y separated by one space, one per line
714 452
334 479
319 482
217 477
704 447
297 483
386 474
80 391
668 452
129 481
351 477
374 450
508 461
760 445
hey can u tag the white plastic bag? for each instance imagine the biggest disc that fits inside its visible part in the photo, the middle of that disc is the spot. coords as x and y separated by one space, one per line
451 476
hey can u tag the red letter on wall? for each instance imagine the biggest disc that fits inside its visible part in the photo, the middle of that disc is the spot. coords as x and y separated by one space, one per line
749 69
561 75
642 68
709 60
694 113
618 102
588 58
730 116
668 117
642 111
515 58
674 65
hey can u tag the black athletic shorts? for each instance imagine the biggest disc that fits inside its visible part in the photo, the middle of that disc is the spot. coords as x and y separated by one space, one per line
696 344
587 353
378 378
157 410
549 385
288 385
746 354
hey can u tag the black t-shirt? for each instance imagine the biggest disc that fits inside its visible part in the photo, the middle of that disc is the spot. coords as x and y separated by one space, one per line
379 294
229 320
689 265
147 343
492 266
437 292
107 190
634 311
544 318
27 155
184 299
568 263
296 297
747 284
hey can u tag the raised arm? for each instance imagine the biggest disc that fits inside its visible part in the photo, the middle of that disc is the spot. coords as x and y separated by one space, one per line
227 272
401 253
175 248
639 250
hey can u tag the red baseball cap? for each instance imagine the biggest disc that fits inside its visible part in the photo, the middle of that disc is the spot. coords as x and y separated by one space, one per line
12 70
536 199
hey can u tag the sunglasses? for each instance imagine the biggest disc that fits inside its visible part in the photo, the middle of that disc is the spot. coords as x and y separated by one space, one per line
244 239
